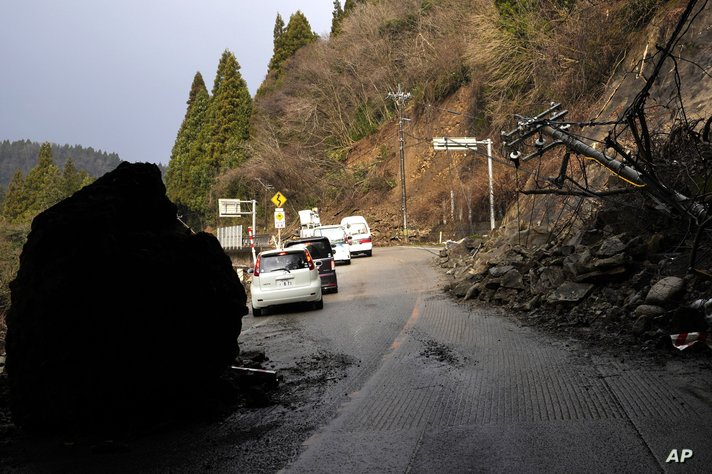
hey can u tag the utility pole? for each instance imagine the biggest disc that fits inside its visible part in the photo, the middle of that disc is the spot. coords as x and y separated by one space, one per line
268 189
400 98
491 188
546 123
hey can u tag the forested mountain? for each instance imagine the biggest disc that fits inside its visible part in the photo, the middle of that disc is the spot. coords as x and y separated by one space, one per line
22 155
323 127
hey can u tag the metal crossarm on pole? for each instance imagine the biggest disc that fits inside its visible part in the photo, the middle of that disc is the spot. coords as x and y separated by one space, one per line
466 144
546 126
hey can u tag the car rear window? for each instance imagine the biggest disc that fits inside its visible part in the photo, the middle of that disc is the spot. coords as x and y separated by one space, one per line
358 229
319 249
335 234
282 261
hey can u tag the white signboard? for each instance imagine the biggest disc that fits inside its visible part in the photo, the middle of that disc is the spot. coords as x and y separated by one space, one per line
279 220
229 207
455 143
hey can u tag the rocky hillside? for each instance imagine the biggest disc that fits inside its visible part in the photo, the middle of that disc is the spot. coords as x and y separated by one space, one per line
622 268
608 283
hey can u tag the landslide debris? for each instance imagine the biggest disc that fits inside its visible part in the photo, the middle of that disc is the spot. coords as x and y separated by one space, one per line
611 283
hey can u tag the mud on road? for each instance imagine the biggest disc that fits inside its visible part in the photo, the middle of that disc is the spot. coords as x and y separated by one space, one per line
246 424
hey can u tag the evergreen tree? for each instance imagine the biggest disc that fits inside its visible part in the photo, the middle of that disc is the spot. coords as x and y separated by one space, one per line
349 5
229 114
277 32
43 185
182 185
336 17
298 33
73 179
210 140
193 122
22 155
15 202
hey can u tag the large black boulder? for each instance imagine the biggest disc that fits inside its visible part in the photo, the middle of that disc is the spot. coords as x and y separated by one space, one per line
118 310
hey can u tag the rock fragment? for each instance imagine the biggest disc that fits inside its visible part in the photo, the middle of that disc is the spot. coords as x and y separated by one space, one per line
665 290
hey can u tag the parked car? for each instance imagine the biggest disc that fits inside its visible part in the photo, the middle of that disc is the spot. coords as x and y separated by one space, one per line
339 239
285 276
357 228
320 250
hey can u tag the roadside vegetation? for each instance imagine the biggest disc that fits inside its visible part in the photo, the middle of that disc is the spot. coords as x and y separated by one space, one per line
25 197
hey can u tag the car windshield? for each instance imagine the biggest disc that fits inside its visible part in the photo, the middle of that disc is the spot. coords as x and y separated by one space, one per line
334 234
283 261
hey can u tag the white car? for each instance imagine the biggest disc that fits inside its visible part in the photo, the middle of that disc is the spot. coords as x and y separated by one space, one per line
339 241
357 228
283 277
342 254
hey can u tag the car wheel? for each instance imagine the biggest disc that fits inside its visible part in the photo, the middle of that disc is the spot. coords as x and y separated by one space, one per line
319 304
348 262
369 253
257 312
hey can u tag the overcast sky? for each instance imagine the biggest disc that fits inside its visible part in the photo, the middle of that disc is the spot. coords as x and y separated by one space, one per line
115 74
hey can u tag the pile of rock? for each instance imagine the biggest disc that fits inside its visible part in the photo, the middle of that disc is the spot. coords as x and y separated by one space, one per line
615 282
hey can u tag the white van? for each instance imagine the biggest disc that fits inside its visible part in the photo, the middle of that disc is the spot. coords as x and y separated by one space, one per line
357 228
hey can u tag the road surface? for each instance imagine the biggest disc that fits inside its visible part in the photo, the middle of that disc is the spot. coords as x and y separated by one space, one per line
394 376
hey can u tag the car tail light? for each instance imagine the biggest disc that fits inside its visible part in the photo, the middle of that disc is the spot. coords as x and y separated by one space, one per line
257 267
310 261
333 265
367 240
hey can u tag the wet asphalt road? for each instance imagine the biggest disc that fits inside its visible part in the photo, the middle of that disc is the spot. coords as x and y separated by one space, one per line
445 389
393 376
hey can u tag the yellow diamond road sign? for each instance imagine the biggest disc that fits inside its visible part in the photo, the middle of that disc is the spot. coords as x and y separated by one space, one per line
279 199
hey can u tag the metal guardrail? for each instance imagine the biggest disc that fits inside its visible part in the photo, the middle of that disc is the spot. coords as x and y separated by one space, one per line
231 238
261 240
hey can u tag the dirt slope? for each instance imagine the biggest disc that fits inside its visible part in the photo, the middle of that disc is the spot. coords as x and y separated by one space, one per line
433 177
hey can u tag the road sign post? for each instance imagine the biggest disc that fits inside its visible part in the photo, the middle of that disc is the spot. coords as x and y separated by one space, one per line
279 224
252 244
